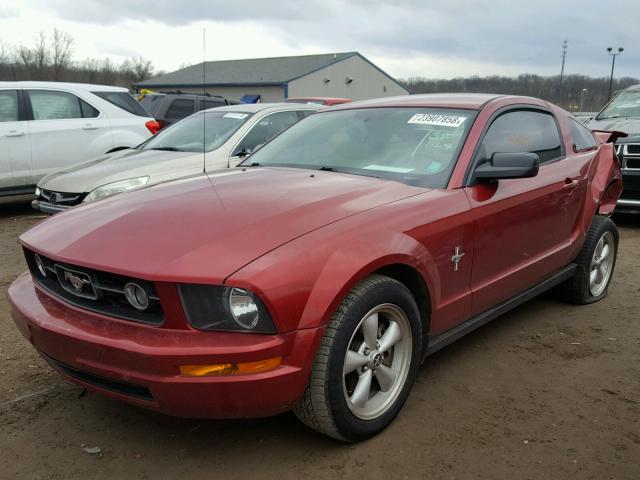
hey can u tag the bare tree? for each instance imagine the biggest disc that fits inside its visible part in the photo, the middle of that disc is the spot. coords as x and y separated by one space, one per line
61 46
4 52
36 59
141 68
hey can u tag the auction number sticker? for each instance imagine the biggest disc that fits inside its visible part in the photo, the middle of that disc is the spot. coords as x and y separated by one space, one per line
438 120
237 116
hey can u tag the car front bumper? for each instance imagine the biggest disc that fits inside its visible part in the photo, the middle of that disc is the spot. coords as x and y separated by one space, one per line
139 364
47 207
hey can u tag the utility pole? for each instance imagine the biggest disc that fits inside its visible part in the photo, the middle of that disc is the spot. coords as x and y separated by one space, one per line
613 64
564 57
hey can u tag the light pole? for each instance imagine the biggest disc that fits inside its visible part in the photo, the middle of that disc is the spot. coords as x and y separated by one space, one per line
613 64
584 90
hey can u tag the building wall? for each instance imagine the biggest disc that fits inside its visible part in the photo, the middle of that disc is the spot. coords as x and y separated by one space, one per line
269 94
368 82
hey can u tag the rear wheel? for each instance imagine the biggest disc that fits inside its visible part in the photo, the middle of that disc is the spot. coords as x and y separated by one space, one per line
366 363
596 263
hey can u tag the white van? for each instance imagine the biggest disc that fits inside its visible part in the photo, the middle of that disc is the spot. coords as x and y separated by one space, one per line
45 126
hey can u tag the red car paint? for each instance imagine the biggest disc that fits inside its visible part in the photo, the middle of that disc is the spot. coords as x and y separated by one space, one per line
301 240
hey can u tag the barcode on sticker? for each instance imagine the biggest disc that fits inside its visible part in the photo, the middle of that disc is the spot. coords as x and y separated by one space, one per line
438 120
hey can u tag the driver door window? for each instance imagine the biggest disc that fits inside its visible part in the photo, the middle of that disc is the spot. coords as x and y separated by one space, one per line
523 131
264 130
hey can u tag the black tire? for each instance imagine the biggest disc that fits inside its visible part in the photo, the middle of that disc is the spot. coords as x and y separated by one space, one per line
323 406
577 289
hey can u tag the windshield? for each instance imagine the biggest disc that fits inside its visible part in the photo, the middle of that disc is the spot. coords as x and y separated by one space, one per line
626 104
187 134
417 146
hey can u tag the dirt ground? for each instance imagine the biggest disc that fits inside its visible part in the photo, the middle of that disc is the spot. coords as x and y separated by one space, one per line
548 391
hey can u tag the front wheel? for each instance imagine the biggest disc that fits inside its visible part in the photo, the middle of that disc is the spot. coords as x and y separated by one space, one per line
596 263
366 364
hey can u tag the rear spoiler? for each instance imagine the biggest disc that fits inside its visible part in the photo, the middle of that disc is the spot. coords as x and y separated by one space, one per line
608 136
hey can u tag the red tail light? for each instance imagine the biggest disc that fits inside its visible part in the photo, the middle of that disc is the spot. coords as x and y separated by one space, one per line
154 126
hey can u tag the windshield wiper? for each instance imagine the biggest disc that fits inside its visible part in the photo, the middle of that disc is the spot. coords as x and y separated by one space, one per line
165 149
614 116
349 171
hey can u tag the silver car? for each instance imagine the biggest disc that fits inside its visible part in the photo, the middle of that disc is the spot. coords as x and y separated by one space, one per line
205 141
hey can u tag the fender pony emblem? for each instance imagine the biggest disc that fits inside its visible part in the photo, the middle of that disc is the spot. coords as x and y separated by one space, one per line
457 256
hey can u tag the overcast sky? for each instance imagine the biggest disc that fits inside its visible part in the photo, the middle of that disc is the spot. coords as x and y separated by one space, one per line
429 38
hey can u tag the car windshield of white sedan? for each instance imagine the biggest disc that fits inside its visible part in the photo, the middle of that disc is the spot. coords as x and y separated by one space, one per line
625 105
204 131
418 146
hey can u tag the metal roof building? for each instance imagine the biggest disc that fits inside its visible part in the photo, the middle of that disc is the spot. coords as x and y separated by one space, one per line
347 74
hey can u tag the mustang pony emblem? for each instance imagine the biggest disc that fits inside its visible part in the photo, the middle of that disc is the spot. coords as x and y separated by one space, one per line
456 259
76 281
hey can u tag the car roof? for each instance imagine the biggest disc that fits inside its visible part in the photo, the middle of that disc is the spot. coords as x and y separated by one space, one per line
318 98
64 85
258 107
473 101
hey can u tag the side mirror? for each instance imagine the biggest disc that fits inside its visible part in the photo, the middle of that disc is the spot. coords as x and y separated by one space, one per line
243 153
508 165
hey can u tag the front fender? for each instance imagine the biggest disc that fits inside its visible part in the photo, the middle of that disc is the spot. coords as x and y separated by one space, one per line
302 290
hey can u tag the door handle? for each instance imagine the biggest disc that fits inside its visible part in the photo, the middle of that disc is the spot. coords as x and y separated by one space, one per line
570 184
14 133
89 126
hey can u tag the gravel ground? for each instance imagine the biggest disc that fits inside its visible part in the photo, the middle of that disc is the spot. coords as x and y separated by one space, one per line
548 391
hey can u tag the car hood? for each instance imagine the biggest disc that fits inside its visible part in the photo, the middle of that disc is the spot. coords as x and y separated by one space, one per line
202 229
130 163
629 126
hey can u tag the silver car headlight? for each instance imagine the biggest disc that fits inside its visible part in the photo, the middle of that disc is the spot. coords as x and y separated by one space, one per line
116 187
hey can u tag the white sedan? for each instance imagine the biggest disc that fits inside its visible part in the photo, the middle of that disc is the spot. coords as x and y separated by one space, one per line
205 141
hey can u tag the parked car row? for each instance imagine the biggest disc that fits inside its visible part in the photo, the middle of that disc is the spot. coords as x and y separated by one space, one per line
320 273
45 126
204 142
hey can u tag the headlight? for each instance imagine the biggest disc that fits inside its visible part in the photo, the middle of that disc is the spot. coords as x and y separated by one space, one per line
210 307
116 187
38 191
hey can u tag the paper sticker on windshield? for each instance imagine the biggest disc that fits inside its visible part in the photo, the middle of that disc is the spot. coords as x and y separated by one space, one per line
386 168
438 120
237 116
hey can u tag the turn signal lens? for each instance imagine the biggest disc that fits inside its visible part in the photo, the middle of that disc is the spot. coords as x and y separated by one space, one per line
231 368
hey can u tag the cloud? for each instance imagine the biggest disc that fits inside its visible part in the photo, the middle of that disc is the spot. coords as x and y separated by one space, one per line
177 13
9 11
497 34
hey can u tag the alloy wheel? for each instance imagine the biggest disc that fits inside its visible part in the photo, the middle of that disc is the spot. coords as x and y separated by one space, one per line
601 264
377 361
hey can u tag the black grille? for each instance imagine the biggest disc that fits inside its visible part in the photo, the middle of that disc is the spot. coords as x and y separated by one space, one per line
631 162
61 198
102 292
102 382
633 149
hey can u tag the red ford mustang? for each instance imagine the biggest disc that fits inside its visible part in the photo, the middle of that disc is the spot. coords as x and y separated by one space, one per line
318 276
